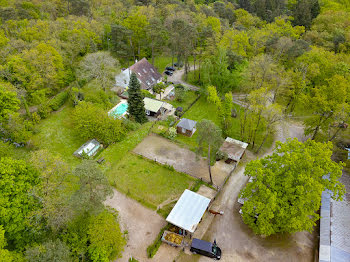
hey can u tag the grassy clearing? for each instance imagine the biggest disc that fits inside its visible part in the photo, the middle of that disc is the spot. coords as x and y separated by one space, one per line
204 110
189 98
56 135
147 181
161 62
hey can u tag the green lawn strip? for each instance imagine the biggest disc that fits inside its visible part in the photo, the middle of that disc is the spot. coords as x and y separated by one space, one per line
146 181
189 98
57 136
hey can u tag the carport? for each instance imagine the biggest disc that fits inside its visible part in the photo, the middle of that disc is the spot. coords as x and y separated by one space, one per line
188 211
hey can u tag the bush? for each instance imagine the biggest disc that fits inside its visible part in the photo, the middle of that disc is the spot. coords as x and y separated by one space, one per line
44 110
59 100
91 121
145 93
131 125
172 133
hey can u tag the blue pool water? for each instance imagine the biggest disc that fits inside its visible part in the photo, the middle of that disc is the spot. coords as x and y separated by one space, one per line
119 110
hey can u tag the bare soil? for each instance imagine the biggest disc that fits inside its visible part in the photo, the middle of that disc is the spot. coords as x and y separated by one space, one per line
143 226
183 160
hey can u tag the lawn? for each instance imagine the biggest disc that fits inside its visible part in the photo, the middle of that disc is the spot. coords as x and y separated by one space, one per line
56 135
189 98
204 110
146 181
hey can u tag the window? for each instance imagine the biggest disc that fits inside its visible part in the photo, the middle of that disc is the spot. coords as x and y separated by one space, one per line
144 70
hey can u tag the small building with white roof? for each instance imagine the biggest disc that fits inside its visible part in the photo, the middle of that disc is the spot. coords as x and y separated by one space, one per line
90 148
188 211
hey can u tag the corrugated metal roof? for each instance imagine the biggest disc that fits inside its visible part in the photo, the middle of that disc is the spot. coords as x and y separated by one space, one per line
234 148
188 124
188 210
152 104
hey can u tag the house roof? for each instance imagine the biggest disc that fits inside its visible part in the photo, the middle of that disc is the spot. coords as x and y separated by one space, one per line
187 124
146 73
188 210
234 148
152 105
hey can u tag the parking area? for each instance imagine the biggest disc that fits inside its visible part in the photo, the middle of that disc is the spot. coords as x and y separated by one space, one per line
182 159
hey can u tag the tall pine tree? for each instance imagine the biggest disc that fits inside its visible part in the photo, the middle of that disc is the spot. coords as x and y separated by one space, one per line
136 106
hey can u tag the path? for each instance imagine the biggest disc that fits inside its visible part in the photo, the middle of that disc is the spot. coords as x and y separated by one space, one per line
143 226
237 241
176 78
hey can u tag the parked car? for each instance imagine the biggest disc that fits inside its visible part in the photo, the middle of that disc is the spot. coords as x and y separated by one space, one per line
169 73
205 248
170 68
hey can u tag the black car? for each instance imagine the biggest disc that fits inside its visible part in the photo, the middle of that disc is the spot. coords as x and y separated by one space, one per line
205 248
170 68
169 73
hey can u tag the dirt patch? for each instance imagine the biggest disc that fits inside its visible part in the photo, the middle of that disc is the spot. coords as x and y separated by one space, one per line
183 160
143 226
206 191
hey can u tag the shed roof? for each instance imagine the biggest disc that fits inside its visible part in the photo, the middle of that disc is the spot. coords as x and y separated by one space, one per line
188 210
88 147
152 105
187 124
234 148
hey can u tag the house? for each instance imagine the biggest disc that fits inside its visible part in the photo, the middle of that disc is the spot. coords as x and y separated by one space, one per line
186 127
188 211
234 149
90 148
146 73
155 107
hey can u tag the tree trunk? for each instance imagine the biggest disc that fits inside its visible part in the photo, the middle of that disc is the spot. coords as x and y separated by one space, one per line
132 48
263 142
256 128
194 67
199 71
139 51
209 167
335 134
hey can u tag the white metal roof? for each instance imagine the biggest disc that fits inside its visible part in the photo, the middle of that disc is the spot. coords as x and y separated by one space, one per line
188 210
152 105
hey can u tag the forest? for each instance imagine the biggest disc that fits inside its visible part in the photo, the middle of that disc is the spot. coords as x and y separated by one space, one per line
291 58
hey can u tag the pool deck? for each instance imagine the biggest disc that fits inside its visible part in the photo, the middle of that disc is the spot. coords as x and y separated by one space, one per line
122 101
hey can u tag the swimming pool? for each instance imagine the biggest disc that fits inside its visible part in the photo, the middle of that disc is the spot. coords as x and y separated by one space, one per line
119 110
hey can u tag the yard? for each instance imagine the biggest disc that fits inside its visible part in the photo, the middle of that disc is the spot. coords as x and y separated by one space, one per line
56 135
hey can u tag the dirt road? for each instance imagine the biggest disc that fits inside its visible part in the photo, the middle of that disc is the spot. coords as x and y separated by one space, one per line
237 241
176 78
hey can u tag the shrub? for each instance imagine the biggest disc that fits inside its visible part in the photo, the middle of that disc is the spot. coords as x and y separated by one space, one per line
145 93
44 110
131 125
59 100
91 121
172 133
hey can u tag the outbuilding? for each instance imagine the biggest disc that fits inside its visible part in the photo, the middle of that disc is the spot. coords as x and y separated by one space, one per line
186 127
154 107
188 211
90 148
234 149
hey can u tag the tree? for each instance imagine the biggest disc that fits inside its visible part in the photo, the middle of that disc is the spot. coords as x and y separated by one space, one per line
17 181
5 255
90 121
9 103
159 89
100 66
209 136
55 189
285 194
55 251
136 106
106 239
93 189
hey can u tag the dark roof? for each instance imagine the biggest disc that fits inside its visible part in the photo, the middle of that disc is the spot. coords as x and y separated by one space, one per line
187 124
146 73
202 245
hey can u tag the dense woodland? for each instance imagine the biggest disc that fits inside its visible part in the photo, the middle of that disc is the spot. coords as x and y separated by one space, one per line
290 58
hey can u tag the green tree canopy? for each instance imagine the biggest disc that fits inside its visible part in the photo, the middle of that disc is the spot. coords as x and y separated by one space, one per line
9 103
285 194
136 106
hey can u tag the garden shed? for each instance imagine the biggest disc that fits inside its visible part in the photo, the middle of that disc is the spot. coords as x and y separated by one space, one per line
234 149
156 107
186 127
90 148
188 211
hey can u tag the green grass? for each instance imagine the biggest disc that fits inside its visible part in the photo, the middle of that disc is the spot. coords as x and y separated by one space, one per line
160 62
147 181
189 98
57 136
